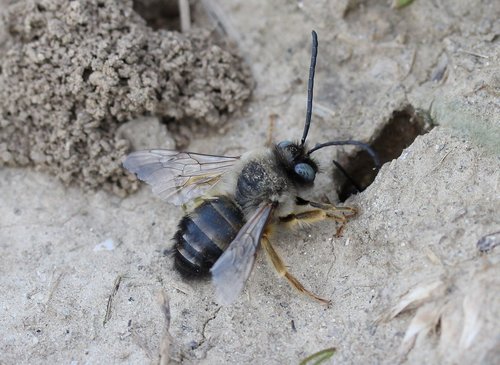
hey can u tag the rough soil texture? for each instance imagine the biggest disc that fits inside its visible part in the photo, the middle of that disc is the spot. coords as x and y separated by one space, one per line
72 72
86 277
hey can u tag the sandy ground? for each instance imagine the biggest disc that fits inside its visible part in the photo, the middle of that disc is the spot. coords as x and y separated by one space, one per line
85 277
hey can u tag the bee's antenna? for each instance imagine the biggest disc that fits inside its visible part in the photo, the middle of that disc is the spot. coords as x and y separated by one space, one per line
367 148
310 86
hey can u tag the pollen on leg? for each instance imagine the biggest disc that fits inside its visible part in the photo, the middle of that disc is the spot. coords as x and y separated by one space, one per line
304 218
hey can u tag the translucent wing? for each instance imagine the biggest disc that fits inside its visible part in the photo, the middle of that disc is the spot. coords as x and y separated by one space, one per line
232 269
178 177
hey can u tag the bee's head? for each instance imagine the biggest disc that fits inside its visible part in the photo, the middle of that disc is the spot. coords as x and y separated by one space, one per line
293 156
297 163
302 164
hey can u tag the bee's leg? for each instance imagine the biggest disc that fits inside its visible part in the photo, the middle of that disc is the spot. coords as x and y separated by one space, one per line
282 270
318 212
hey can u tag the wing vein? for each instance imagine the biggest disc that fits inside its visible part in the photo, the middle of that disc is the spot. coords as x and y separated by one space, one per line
233 268
178 177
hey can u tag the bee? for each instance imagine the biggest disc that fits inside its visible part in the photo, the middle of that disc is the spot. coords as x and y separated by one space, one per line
232 203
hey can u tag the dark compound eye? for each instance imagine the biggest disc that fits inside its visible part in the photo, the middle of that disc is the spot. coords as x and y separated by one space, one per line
305 171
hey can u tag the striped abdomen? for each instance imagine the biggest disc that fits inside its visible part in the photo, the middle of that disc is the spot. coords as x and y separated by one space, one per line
205 233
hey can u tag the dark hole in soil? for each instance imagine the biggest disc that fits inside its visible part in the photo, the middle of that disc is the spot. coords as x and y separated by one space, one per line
181 131
86 74
159 14
399 133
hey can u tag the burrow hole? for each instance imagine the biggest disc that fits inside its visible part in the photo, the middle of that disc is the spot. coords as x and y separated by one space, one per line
399 133
181 15
159 14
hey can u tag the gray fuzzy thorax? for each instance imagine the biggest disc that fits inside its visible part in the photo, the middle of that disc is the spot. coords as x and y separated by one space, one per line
261 180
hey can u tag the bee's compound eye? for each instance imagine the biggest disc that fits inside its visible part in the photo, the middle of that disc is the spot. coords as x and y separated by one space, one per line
305 171
284 144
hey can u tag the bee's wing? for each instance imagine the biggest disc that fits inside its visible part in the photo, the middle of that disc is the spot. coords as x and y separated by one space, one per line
178 177
232 269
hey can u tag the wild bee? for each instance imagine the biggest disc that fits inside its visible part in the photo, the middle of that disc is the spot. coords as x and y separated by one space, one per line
232 203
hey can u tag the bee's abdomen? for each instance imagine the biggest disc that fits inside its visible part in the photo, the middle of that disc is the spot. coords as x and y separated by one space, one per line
205 233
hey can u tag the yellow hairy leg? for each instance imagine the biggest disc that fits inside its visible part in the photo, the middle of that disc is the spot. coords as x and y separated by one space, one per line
318 213
282 270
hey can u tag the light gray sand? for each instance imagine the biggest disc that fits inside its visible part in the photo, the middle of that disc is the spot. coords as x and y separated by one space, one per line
63 249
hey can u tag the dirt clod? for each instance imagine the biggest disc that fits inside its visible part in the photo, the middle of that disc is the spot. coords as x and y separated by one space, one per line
72 72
